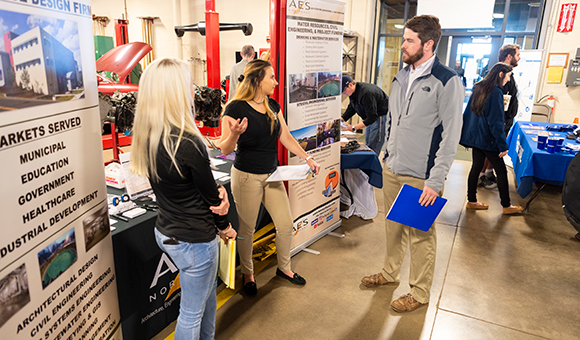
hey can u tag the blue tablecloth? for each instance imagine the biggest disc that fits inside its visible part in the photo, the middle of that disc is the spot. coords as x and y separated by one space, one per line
531 163
368 162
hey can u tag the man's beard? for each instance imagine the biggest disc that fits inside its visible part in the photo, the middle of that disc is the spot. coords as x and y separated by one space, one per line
412 59
513 62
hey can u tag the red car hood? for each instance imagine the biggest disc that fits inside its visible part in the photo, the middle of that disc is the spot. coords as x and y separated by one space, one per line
122 59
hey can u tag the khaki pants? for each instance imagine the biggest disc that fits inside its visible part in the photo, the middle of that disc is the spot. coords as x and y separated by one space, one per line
249 190
423 244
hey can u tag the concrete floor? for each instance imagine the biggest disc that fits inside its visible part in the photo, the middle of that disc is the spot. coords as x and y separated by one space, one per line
496 277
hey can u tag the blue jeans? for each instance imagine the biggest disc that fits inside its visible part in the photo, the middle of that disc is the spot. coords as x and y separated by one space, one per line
197 264
375 134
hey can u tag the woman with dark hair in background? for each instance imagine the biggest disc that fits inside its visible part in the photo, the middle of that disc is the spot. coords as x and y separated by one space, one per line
484 132
253 121
169 149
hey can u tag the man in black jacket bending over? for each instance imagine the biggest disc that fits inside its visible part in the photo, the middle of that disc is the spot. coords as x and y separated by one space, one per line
371 103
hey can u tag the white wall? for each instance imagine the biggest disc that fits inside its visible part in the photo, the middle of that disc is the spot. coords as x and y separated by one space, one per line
192 12
162 28
359 17
567 105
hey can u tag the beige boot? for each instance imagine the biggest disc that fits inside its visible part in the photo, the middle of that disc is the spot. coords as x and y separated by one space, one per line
406 303
476 206
512 209
376 280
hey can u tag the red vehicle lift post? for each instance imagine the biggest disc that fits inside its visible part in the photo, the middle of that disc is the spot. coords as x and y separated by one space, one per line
278 60
212 44
211 29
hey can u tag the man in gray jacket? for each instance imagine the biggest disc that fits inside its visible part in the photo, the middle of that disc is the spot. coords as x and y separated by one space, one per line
238 69
424 127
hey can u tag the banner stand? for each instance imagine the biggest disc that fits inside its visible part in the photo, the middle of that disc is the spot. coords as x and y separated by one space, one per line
57 272
314 33
317 237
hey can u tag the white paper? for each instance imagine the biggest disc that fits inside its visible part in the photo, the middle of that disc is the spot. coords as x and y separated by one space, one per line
343 140
218 174
216 162
137 186
558 60
343 132
290 173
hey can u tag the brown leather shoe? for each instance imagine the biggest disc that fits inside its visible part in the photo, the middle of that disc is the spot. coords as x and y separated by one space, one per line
406 303
476 206
512 209
376 280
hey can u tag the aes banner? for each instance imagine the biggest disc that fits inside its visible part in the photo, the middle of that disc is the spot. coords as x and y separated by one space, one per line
314 32
57 277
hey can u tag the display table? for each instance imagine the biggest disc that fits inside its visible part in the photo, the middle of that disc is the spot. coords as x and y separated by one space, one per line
361 171
533 164
368 162
141 298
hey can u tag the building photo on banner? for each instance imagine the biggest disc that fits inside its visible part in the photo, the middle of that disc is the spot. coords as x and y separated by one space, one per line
314 63
57 275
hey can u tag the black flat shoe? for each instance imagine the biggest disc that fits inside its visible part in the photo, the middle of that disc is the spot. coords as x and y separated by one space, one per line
250 288
297 279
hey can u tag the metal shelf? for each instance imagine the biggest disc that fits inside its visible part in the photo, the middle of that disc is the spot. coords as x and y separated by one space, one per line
349 48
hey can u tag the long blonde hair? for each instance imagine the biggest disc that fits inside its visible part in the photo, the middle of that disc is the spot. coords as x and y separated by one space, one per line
164 103
253 75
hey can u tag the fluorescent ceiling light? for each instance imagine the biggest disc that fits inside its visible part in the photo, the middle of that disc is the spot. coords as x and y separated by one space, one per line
481 40
399 26
498 15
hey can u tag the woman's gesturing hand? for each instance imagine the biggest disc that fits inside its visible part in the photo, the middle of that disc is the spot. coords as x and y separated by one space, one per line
238 127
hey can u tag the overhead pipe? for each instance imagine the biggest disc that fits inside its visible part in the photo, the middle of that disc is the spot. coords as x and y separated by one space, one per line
212 28
200 27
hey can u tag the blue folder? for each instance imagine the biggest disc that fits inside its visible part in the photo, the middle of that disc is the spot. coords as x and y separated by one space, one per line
407 210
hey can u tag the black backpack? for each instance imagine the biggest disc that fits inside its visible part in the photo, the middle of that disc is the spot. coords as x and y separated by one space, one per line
571 193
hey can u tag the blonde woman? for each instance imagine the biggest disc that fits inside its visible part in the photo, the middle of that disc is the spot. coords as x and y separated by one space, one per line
168 149
253 122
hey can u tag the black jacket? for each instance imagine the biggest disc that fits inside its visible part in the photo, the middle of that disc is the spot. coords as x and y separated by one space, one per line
512 89
184 201
369 101
485 131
